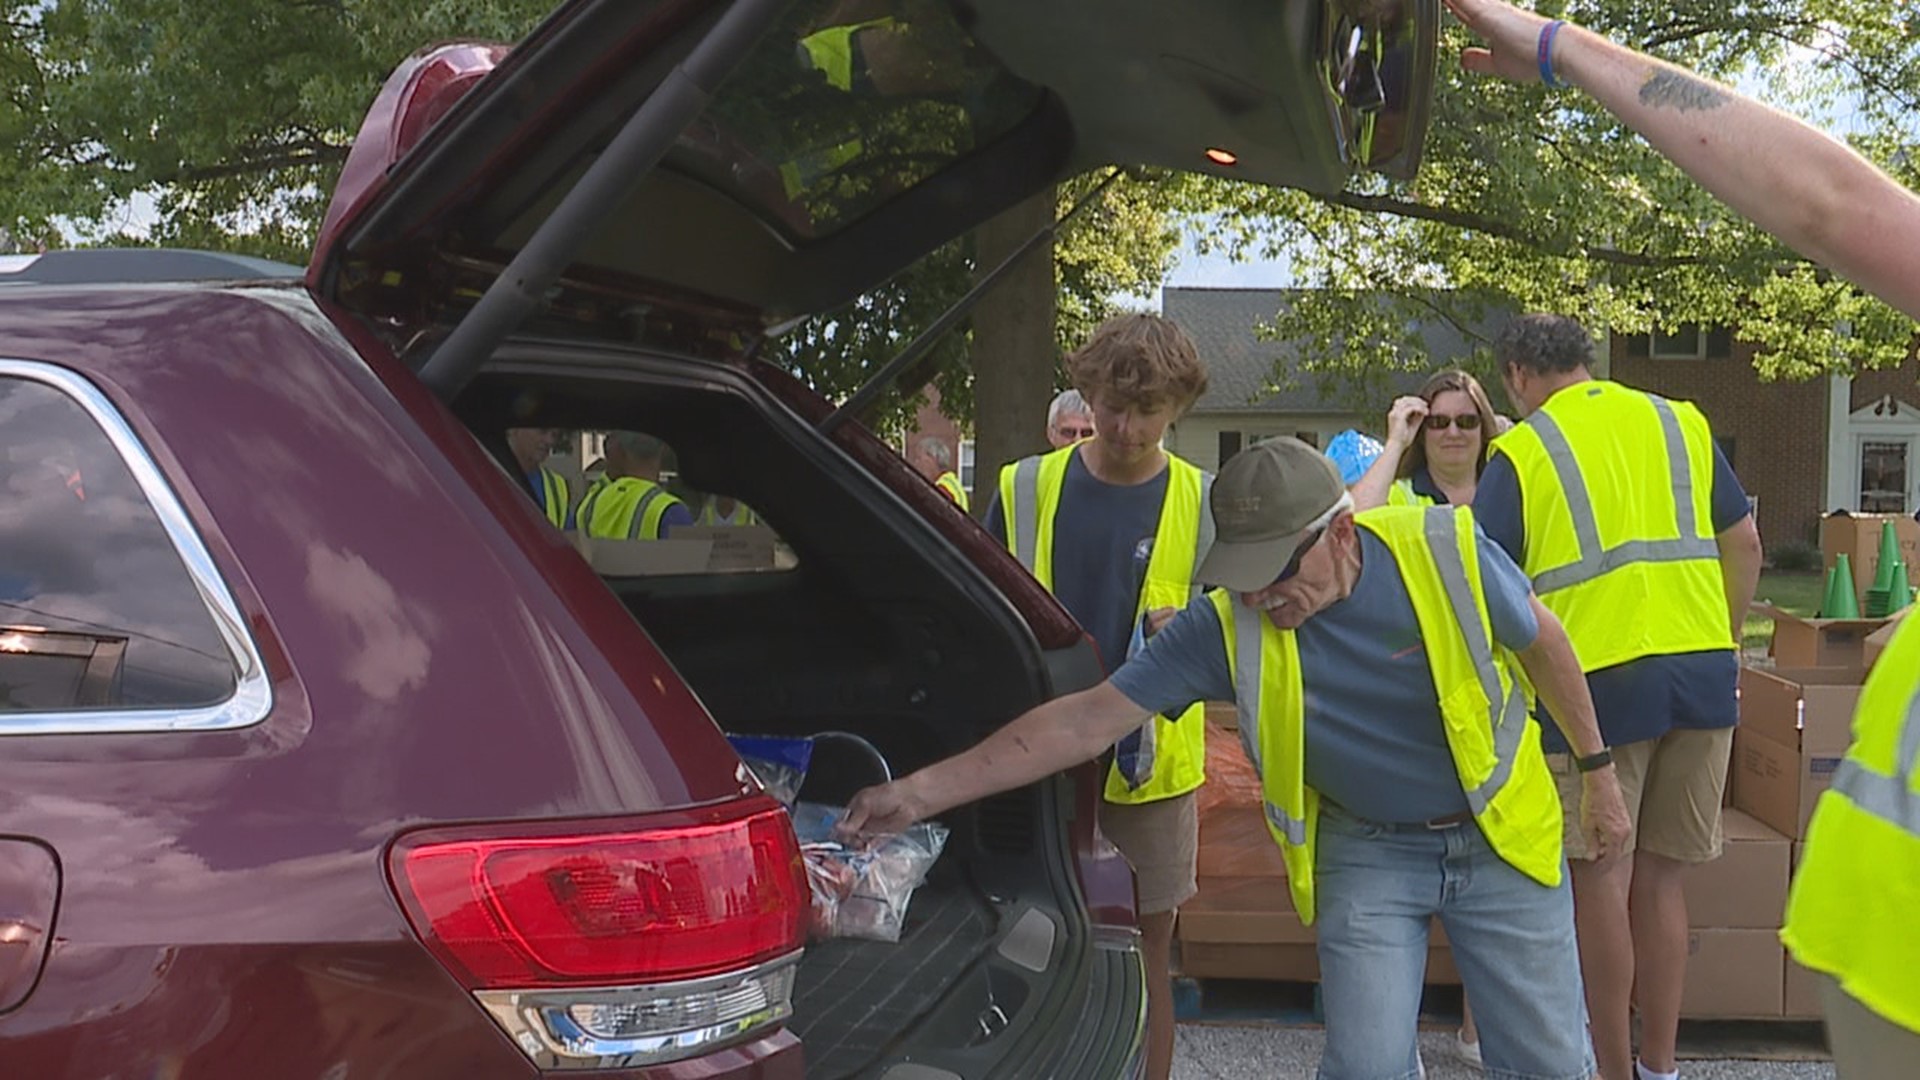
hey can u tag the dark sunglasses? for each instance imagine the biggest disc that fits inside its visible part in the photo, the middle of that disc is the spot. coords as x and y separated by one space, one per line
1441 421
1068 432
1299 553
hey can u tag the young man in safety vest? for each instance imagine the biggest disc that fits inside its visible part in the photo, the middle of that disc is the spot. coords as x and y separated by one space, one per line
630 503
1376 661
1634 531
1114 526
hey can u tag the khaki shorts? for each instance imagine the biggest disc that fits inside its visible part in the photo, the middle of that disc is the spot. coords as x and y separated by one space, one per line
1673 787
1161 841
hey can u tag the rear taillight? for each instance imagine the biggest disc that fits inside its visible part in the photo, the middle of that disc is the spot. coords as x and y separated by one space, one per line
606 944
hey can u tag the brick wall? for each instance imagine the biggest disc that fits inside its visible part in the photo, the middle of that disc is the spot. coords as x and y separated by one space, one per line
1778 429
1903 383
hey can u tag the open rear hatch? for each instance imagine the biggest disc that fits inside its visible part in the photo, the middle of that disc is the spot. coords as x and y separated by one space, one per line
762 159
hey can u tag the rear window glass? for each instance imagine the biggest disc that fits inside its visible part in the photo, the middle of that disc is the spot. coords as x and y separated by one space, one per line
845 105
97 609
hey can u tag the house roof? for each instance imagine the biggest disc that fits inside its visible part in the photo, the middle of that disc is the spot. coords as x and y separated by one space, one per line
1243 366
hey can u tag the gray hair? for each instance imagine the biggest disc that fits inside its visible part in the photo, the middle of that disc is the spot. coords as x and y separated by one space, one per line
1544 344
638 446
1067 401
937 450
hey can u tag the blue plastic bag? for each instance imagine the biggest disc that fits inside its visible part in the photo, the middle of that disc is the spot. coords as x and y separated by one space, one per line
780 764
1354 454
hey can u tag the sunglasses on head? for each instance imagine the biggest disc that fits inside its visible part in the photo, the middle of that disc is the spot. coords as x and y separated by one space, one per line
1441 421
1299 553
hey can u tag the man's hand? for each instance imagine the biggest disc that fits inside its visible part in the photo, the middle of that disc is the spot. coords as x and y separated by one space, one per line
1404 420
1158 618
1512 37
885 810
1603 814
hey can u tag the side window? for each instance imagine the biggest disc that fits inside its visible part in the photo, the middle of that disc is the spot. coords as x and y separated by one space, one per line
97 608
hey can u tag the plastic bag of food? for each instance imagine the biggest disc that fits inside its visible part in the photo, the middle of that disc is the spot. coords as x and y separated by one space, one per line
861 888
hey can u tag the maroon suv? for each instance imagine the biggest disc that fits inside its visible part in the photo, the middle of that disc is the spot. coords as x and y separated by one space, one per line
325 754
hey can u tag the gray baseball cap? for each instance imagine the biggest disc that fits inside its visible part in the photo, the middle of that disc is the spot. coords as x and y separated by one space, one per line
1266 502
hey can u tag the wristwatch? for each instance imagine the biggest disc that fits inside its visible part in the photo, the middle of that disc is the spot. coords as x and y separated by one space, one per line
1594 761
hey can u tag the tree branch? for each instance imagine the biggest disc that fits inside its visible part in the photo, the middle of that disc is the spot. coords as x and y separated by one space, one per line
1461 219
289 157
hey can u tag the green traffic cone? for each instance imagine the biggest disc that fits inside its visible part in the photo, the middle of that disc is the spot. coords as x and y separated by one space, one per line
1890 567
1840 602
1902 596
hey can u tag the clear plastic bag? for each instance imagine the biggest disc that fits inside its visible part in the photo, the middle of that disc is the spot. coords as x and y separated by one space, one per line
861 889
778 762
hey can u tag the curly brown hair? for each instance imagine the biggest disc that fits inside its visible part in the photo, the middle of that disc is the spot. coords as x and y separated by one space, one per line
1139 361
1440 383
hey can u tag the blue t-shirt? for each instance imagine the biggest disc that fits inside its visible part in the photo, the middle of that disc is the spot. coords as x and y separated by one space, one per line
1645 698
1374 737
1102 538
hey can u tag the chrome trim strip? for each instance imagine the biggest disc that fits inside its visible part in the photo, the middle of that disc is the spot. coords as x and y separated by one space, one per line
252 698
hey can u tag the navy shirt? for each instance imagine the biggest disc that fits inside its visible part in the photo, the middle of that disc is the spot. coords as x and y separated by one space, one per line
1374 738
1102 538
1645 698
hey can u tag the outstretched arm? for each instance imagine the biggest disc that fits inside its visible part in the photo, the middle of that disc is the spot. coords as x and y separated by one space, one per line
1793 180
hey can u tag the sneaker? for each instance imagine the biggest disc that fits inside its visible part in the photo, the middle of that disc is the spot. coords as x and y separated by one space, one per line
1468 1053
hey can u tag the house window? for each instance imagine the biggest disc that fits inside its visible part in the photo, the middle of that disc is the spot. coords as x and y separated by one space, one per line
1883 476
1686 342
1229 445
966 464
1311 438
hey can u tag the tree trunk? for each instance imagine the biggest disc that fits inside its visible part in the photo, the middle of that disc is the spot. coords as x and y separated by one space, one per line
1013 352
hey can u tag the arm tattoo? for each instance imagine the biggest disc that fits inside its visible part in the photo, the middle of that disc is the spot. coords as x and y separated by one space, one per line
1681 91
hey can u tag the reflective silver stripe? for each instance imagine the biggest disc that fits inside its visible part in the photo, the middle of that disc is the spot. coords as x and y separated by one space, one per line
1205 540
1889 798
1507 713
1680 466
1026 511
1247 630
652 495
583 516
1293 829
1246 678
1595 561
1633 551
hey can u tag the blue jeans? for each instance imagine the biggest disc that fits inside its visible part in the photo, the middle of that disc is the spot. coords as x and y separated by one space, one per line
1378 887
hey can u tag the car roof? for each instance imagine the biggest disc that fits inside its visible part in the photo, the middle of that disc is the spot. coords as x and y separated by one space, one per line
111 266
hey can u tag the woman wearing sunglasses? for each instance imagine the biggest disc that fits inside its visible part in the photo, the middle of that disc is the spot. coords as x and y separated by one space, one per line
1436 446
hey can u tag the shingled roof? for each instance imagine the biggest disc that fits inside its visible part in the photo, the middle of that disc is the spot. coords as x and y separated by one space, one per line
1241 364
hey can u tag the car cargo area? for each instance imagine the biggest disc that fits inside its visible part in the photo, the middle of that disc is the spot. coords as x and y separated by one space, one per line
868 624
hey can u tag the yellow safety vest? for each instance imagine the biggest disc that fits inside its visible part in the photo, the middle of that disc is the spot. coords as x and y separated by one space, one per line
629 508
1616 488
741 515
1483 699
554 496
1402 494
1852 910
1172 753
950 484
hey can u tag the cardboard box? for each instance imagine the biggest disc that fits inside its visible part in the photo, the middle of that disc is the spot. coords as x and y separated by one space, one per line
1858 535
1235 843
1733 975
736 548
1224 714
1778 784
1243 911
1818 643
1877 641
1216 960
1807 709
1746 887
638 558
1800 999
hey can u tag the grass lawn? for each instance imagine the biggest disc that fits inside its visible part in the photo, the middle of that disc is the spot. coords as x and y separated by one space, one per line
1798 593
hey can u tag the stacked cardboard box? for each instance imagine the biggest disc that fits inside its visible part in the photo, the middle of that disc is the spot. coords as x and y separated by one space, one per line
1857 536
1735 963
